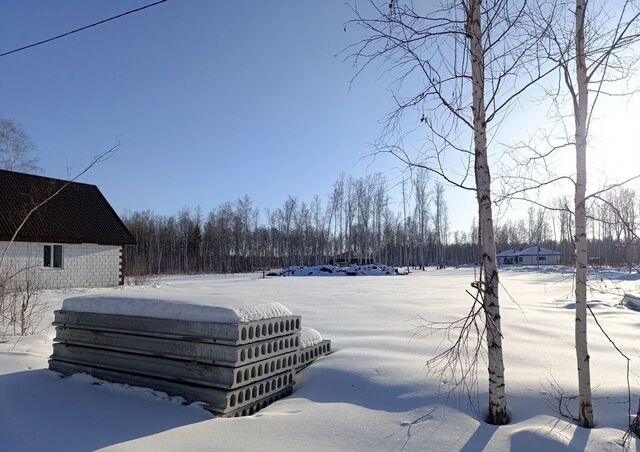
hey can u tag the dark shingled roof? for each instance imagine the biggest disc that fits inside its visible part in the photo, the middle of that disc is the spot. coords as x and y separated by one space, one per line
78 214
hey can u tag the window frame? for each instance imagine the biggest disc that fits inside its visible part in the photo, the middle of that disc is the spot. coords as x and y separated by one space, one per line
52 253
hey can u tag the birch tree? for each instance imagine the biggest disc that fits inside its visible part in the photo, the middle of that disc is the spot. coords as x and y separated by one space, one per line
470 61
440 221
581 106
422 213
593 47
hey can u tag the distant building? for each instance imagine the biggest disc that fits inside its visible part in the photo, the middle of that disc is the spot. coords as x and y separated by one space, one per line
73 240
348 259
534 255
508 256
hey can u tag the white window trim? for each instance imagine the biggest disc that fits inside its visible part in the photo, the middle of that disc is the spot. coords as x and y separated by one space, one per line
51 267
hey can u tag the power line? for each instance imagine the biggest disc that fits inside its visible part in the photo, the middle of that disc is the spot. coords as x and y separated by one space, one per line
82 28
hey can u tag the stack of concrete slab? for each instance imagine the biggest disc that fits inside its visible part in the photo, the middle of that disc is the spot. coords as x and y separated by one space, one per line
235 361
312 346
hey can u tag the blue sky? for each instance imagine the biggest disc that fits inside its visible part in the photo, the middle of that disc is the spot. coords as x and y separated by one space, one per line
210 100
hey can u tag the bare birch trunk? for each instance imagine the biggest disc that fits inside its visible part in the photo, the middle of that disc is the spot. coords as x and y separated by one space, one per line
497 398
581 108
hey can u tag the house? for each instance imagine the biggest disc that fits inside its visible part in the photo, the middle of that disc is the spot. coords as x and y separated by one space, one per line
508 256
534 255
75 239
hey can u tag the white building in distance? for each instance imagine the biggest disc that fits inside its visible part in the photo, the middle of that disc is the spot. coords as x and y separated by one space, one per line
534 255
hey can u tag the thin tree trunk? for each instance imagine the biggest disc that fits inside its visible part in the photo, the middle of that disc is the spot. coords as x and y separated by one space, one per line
582 352
497 397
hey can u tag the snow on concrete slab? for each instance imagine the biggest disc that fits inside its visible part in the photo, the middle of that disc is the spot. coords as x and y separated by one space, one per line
309 337
333 270
174 309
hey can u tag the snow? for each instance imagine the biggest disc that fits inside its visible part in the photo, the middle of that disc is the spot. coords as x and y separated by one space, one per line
530 251
537 251
309 337
333 270
365 395
169 309
508 253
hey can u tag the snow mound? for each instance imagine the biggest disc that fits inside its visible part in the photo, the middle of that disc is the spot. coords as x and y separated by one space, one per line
174 309
632 300
309 337
334 270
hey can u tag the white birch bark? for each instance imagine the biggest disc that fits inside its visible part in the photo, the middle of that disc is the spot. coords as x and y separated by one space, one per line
581 110
497 397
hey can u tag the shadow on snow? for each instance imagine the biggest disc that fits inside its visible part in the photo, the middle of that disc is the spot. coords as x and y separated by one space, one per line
40 410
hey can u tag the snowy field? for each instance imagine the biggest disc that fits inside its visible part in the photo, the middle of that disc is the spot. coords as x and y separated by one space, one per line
366 394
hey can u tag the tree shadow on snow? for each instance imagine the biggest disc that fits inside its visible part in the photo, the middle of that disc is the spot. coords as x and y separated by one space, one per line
327 385
533 427
480 438
40 410
535 440
552 437
532 433
592 304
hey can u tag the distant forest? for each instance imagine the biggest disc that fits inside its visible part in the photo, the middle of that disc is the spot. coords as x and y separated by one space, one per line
360 223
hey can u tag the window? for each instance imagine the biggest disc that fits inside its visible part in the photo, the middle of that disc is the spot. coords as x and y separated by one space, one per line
519 258
52 256
542 258
47 256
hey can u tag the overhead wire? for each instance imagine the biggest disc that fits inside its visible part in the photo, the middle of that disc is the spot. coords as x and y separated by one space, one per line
44 41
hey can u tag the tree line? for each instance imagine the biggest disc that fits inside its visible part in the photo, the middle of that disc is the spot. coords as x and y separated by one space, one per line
359 223
356 224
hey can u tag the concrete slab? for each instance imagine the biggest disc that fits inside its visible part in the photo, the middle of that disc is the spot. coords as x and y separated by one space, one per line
225 333
254 407
219 401
182 371
309 354
186 350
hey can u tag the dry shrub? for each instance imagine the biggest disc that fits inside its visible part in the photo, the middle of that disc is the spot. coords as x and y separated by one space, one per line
21 304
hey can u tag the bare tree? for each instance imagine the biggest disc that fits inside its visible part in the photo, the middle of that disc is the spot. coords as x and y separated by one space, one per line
16 148
422 211
592 45
440 221
472 61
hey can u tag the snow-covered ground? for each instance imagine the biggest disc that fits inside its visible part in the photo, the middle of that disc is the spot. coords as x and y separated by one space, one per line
366 394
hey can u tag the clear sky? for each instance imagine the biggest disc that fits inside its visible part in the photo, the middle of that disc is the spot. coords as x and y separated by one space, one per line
210 100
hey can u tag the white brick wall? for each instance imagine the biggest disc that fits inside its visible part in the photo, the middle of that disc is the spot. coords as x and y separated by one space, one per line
83 265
